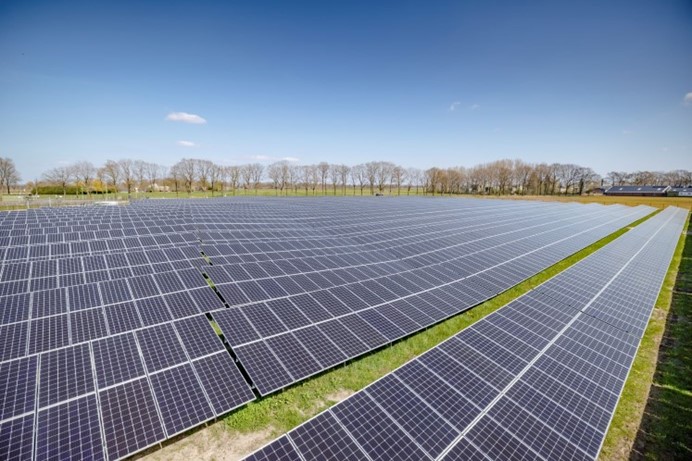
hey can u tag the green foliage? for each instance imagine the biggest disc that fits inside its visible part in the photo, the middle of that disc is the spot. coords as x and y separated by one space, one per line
57 190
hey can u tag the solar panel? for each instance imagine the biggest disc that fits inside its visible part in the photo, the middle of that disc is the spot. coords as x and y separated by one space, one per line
222 382
332 282
16 438
130 419
70 430
537 379
18 385
180 398
64 374
160 347
116 360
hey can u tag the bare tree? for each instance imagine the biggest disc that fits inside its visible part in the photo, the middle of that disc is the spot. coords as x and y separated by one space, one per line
154 173
306 172
139 169
413 175
60 176
111 171
85 172
398 177
384 174
127 171
372 170
204 171
246 173
323 169
344 171
215 177
233 173
257 172
359 175
9 176
176 177
274 173
334 176
294 177
187 171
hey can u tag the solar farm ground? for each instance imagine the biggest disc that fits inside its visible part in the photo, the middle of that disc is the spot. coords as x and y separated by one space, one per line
239 432
663 434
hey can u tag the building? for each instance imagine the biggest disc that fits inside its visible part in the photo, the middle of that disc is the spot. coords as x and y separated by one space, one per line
685 191
638 191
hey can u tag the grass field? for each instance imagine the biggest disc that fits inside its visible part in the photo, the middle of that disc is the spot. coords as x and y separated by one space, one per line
657 202
665 431
9 202
264 419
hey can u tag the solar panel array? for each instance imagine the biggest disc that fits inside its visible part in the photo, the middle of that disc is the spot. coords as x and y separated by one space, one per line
106 345
538 379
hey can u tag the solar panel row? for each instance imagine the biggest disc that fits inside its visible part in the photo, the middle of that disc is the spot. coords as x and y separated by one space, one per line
106 353
538 379
283 338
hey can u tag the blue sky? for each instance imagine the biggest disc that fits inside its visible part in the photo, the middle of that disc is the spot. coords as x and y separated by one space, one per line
601 84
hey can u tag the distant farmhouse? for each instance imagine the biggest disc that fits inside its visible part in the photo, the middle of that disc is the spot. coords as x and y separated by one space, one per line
638 191
680 191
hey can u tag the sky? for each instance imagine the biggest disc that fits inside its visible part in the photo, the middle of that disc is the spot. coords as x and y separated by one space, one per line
419 83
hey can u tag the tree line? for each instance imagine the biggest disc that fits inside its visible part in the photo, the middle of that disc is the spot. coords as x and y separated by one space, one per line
188 175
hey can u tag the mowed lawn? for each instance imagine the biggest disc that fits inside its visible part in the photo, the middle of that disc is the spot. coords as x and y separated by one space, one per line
665 432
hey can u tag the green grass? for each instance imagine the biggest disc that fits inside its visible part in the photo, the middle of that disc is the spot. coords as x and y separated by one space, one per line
664 432
291 407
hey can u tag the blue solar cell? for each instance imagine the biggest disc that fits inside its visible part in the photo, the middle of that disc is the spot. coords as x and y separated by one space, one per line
18 384
70 430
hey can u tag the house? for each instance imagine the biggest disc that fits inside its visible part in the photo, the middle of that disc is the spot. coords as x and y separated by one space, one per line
685 191
638 191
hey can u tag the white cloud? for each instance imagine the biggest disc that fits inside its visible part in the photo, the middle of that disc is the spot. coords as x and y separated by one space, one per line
688 99
271 159
186 118
186 143
474 106
454 106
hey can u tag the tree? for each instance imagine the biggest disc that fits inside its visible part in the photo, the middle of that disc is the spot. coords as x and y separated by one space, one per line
294 177
306 171
154 172
60 176
215 177
334 176
140 169
323 169
372 170
359 176
256 174
398 177
233 174
413 175
85 172
127 171
9 176
176 177
187 169
204 170
384 174
274 173
344 171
